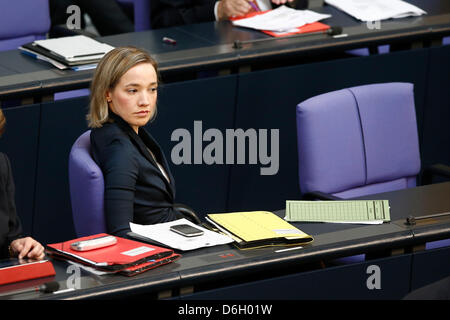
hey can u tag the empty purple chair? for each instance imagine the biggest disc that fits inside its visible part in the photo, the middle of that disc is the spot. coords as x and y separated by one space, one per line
23 21
358 141
86 189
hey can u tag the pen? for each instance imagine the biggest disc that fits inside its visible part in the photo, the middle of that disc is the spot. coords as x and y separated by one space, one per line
288 249
253 5
169 40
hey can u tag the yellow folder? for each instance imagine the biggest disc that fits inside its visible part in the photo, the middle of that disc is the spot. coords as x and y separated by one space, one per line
259 228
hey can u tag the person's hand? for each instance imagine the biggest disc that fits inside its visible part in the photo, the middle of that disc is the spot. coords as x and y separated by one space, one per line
281 1
232 8
27 248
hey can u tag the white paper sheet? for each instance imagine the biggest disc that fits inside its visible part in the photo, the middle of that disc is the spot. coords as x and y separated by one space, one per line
376 10
161 232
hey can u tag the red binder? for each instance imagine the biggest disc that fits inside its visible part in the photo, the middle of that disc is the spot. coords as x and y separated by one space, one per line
124 254
134 270
307 28
13 270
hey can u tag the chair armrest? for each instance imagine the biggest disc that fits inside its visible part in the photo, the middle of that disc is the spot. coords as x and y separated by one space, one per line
429 172
188 212
318 195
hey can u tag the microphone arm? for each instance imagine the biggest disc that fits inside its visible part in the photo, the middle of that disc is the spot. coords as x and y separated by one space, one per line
48 287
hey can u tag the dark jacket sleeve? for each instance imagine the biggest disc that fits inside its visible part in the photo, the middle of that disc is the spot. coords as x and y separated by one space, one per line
10 225
168 13
301 4
120 172
297 4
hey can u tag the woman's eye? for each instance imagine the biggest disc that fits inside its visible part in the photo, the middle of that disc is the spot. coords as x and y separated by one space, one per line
132 90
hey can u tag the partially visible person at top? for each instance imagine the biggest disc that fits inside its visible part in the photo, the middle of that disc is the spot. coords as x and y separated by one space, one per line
168 13
107 16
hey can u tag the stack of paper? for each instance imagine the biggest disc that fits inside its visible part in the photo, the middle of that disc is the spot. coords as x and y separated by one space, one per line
376 10
127 257
258 229
282 19
161 233
76 52
348 211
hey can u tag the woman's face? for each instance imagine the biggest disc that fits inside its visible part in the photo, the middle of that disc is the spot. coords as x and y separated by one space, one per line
134 97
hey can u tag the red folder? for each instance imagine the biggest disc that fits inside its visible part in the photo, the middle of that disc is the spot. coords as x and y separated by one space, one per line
13 270
124 254
307 28
134 270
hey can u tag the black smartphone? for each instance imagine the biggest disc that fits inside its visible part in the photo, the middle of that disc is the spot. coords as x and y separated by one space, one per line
186 230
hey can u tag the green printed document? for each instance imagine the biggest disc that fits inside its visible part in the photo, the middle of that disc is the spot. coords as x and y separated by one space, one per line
346 211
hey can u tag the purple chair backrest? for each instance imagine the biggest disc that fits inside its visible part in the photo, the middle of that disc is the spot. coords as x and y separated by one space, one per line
86 189
23 21
141 13
358 141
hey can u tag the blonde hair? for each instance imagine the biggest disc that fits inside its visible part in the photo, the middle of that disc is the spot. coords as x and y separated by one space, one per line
2 122
107 75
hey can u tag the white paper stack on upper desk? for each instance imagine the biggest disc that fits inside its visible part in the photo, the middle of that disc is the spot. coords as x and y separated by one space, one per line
161 233
376 10
280 19
75 48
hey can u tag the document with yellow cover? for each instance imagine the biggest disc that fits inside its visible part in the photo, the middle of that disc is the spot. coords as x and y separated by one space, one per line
258 229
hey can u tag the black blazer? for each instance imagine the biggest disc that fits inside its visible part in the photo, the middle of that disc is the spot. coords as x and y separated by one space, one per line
10 226
168 13
135 188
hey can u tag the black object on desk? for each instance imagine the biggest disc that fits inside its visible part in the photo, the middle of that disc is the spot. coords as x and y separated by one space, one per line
411 220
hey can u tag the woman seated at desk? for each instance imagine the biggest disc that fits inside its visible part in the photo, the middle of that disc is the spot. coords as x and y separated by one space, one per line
12 243
139 186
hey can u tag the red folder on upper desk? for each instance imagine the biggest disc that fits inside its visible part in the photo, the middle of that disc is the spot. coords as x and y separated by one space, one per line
307 28
123 256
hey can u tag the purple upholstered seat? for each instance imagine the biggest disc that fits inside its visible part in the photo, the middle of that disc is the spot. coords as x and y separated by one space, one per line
86 189
358 141
23 21
383 49
141 13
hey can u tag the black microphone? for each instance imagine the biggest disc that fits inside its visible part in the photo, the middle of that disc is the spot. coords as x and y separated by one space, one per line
48 287
332 31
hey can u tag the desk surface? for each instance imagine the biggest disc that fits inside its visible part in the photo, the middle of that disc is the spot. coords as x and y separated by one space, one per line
209 46
224 262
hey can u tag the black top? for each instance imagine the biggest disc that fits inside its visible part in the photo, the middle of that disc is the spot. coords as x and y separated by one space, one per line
135 188
10 226
168 13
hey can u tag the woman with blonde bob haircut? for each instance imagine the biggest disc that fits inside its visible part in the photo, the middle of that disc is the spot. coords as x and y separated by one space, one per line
139 186
109 71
